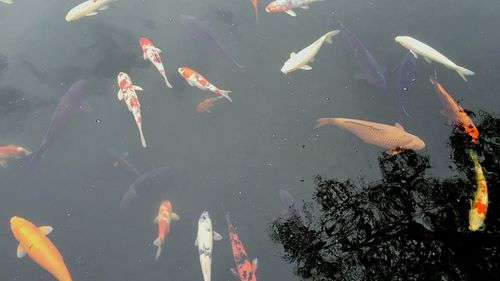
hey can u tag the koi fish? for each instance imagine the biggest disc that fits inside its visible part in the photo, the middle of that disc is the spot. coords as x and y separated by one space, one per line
204 242
153 54
204 105
197 80
88 8
394 138
479 206
11 151
430 54
164 218
287 6
455 113
300 60
127 92
6 1
245 270
34 242
407 75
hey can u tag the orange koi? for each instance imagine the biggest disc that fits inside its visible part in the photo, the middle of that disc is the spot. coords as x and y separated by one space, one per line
479 206
455 113
197 80
34 242
245 270
165 216
11 151
204 105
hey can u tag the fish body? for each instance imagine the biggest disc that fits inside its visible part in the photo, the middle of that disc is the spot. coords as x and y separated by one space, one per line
6 1
204 105
127 93
87 8
72 101
302 58
479 206
11 151
201 31
165 216
197 80
430 54
34 242
152 53
455 113
131 192
204 242
370 70
245 269
394 138
406 77
287 6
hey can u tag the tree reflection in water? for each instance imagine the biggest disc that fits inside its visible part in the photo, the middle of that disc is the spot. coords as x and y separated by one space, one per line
407 226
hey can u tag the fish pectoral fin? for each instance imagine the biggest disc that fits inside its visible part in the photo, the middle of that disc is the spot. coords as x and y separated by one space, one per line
105 7
291 13
292 54
397 125
305 7
156 220
157 50
196 242
120 95
234 272
20 251
217 236
414 54
91 14
157 242
306 67
255 264
3 162
144 55
46 230
175 216
137 88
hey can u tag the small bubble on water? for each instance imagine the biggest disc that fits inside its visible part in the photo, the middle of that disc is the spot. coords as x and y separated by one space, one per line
98 121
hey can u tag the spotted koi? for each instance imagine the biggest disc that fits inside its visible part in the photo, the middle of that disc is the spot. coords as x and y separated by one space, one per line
127 93
245 270
479 206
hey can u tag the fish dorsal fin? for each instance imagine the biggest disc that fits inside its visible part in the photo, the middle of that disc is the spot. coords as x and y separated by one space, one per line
20 251
397 125
372 127
46 230
217 236
196 242
292 54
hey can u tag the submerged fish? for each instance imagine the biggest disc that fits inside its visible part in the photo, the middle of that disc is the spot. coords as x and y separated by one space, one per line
120 159
204 105
479 206
455 113
370 70
418 48
406 77
394 138
11 151
69 103
300 60
204 241
128 94
34 242
245 269
164 218
289 207
6 1
151 52
88 8
131 192
201 31
228 17
287 6
197 80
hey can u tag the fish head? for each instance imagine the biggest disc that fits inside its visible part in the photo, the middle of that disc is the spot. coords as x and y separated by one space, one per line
75 13
476 219
277 7
143 41
287 67
415 143
122 77
185 71
16 223
166 206
204 217
403 40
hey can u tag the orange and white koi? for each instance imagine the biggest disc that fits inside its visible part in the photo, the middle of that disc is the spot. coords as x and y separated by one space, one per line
34 242
287 6
479 206
455 113
127 92
245 270
165 216
11 151
197 80
151 52
204 105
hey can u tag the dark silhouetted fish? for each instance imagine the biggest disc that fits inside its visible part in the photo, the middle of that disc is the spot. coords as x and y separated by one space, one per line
406 77
228 17
131 193
289 207
121 160
201 31
370 70
72 100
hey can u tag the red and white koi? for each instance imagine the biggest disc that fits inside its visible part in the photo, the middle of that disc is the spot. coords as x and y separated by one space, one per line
197 80
127 92
164 218
11 151
204 105
287 6
152 53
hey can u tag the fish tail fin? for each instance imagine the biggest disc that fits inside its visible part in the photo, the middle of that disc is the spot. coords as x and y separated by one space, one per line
166 81
158 244
225 94
324 121
3 162
329 35
143 141
462 71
